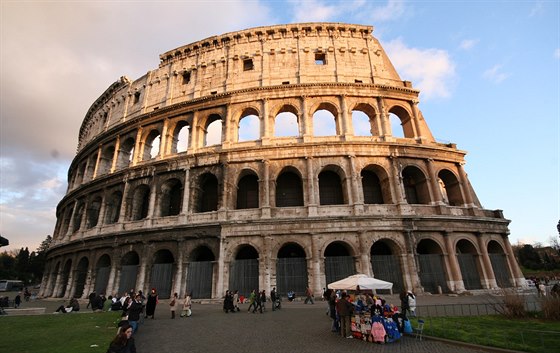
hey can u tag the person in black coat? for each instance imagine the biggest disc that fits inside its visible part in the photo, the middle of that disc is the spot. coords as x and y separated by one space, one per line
151 303
123 342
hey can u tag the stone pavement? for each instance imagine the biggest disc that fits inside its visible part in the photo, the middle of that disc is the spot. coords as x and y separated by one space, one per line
295 328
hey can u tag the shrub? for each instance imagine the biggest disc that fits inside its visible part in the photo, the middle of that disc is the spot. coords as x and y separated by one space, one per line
514 305
550 308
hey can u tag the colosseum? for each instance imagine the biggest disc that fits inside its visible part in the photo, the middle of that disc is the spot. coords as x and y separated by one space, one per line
285 156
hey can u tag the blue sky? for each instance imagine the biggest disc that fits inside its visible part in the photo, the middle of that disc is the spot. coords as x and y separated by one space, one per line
488 71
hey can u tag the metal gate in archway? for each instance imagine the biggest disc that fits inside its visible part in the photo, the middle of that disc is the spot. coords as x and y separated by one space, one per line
431 272
244 276
291 275
338 267
199 279
469 271
161 278
128 278
102 279
388 268
500 268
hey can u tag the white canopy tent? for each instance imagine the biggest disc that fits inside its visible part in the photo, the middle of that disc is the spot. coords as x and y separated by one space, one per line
359 282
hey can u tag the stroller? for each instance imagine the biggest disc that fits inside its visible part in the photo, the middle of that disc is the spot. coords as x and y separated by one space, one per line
278 303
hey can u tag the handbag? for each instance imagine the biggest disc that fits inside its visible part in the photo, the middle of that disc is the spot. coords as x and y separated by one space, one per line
407 326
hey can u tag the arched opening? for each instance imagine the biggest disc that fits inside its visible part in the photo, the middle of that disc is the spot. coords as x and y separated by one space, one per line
140 202
162 273
339 263
450 188
81 276
78 217
102 272
371 185
499 263
362 123
93 212
289 190
396 126
415 186
64 279
248 192
208 193
200 272
432 265
467 258
249 127
129 270
126 152
330 188
324 123
151 145
401 122
106 160
291 270
180 137
171 197
66 221
286 124
113 208
244 270
386 264
213 130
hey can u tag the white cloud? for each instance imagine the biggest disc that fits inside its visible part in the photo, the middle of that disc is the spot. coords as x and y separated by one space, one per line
537 9
390 12
468 44
495 74
313 11
557 53
430 70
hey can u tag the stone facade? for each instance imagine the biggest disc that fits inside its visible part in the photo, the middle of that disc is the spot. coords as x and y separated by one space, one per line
267 157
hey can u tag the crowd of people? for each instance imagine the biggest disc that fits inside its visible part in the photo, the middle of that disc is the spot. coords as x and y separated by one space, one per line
342 306
257 301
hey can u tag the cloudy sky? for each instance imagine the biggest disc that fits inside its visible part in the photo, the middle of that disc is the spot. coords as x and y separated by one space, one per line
489 73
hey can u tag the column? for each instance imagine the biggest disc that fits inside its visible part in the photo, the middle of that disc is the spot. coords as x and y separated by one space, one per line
178 281
465 185
164 143
152 204
436 192
265 134
124 204
112 274
116 154
141 277
489 280
344 126
138 147
364 254
265 207
96 168
517 275
315 280
186 189
455 276
311 189
356 199
384 126
397 182
306 121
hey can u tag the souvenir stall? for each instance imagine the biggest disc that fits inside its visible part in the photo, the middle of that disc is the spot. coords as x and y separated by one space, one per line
375 325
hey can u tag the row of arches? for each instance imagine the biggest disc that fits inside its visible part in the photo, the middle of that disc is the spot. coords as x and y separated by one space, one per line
167 195
255 122
291 266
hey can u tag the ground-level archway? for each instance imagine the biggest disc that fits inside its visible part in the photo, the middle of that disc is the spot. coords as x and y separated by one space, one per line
386 263
291 270
339 262
432 265
200 273
244 271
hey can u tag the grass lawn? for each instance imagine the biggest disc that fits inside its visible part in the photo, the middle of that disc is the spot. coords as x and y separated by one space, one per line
61 333
528 335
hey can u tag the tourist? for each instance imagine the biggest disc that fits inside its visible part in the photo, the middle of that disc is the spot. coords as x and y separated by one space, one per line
252 300
73 305
236 300
308 296
273 298
91 297
151 304
173 305
187 310
404 302
134 312
123 342
344 309
411 304
17 300
332 311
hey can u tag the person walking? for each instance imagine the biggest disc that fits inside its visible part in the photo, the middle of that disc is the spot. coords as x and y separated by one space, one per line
345 309
252 300
151 303
173 305
134 312
236 300
308 296
187 310
91 298
273 298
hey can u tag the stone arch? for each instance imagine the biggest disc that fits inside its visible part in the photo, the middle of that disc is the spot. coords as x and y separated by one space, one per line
207 193
81 277
94 207
130 262
247 194
244 270
332 191
105 160
161 276
376 185
200 270
326 120
151 144
289 188
431 266
249 125
213 130
102 272
499 262
470 267
291 269
405 118
66 221
170 198
77 221
286 121
386 262
113 207
339 261
181 137
364 120
126 152
450 188
139 202
64 278
415 185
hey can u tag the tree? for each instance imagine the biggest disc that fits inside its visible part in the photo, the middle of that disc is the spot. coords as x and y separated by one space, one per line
529 258
37 260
